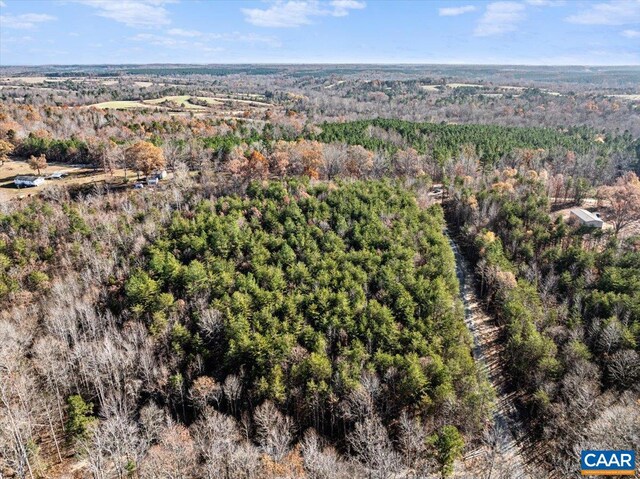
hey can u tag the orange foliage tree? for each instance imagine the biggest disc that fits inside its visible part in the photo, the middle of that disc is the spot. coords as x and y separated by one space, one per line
258 165
310 158
145 156
359 161
38 162
5 149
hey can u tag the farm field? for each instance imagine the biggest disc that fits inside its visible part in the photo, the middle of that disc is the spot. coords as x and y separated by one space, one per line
181 101
632 97
123 105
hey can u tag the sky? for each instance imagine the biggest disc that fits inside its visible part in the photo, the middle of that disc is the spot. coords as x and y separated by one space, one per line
532 32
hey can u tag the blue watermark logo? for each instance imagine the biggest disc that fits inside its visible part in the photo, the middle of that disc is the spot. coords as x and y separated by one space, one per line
608 463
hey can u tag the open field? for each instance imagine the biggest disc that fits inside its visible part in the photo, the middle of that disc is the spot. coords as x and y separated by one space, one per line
181 100
240 100
465 85
627 97
32 80
77 175
123 105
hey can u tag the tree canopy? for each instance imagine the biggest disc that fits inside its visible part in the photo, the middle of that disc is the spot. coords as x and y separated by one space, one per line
314 288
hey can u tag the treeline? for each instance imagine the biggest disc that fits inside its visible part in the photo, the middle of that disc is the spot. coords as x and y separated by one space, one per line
568 298
578 158
491 142
59 150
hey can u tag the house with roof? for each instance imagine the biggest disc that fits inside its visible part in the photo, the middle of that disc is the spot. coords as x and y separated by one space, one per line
28 181
586 218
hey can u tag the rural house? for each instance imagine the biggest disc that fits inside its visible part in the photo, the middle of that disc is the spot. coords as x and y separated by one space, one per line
586 218
28 181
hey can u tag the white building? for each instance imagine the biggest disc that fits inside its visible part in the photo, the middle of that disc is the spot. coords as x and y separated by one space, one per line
587 218
28 181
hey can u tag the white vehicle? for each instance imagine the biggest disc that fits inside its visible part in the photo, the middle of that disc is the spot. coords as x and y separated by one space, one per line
138 186
57 175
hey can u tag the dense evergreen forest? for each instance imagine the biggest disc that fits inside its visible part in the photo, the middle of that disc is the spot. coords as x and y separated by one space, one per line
491 142
306 290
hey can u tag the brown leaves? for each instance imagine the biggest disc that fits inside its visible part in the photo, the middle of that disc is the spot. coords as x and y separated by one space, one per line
623 200
5 149
145 156
37 162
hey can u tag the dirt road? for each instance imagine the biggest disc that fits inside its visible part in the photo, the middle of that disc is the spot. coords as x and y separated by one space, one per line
502 455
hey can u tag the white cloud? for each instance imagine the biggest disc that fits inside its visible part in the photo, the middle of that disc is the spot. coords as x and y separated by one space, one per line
499 18
133 13
187 39
631 33
23 39
158 40
454 11
2 4
342 7
546 3
293 13
24 21
617 12
184 33
175 43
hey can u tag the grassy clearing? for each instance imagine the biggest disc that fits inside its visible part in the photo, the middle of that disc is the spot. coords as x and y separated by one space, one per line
183 100
238 100
77 175
122 105
626 97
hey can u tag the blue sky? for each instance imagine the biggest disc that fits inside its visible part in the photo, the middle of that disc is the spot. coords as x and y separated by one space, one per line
537 32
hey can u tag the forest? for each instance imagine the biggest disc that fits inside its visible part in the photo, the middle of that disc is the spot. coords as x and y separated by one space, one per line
343 272
568 299
336 305
491 142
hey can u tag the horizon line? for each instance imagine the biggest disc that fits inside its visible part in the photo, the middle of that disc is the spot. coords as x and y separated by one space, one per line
363 63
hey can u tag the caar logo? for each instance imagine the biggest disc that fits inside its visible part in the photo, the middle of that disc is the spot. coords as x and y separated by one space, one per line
608 463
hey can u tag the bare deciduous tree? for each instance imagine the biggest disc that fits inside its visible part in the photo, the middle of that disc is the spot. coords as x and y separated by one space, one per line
274 430
371 444
623 199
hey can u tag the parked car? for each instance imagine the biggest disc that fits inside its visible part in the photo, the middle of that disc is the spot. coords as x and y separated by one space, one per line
138 186
57 175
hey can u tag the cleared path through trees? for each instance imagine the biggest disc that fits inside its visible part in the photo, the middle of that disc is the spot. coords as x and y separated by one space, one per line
502 454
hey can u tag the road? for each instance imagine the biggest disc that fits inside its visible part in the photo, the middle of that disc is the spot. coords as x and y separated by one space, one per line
502 454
